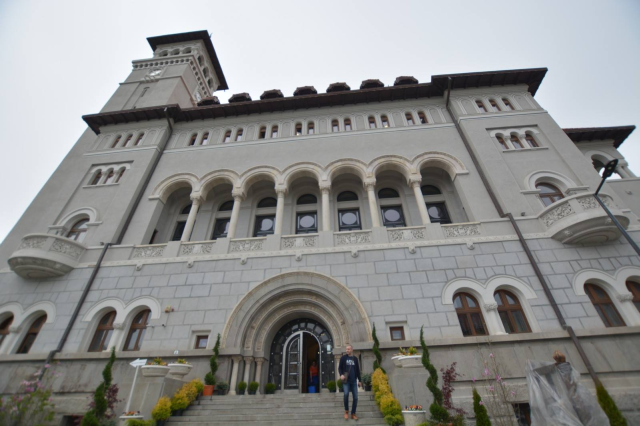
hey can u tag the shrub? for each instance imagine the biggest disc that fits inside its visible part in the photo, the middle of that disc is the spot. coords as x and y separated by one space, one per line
376 351
198 384
242 386
394 420
157 361
253 386
162 410
438 412
339 384
331 386
609 407
377 378
190 390
270 388
179 401
412 351
136 422
104 398
182 361
390 406
482 418
366 379
223 386
209 379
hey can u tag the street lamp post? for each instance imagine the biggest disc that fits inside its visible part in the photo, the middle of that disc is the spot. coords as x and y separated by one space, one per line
608 171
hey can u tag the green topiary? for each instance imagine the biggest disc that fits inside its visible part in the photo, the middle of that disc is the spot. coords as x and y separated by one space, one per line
100 404
331 386
90 419
339 385
609 407
253 387
376 351
209 379
438 412
162 410
270 388
242 386
482 418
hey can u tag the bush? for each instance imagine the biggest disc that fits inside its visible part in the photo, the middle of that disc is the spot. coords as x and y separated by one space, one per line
209 379
223 386
331 386
366 379
242 386
136 422
376 351
270 388
162 410
190 391
198 384
609 407
253 387
377 378
482 418
105 397
182 361
438 412
390 406
179 401
339 385
394 420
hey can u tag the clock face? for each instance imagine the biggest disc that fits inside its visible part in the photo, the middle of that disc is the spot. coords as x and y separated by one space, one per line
155 73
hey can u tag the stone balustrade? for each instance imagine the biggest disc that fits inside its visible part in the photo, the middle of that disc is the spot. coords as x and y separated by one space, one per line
45 256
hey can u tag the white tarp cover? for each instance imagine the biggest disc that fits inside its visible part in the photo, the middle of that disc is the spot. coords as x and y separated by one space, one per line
557 397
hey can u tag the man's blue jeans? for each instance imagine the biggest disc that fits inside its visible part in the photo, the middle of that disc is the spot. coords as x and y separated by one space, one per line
353 388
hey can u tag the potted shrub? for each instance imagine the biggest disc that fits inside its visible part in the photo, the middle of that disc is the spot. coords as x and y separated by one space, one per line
222 388
339 385
162 411
242 386
179 402
210 377
155 368
270 388
209 384
180 368
331 386
253 387
366 382
198 385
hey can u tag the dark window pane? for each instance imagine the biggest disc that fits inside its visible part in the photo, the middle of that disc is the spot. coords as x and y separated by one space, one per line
132 340
177 234
97 340
220 228
227 206
457 302
267 202
430 190
307 199
388 193
306 223
392 217
464 325
506 322
347 196
470 302
438 213
349 220
612 314
26 344
264 226
521 324
510 299
476 319
497 298
603 317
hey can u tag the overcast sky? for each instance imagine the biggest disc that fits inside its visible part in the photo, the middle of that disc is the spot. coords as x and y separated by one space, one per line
63 59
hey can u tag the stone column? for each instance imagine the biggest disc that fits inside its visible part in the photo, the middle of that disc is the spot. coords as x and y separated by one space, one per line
234 374
336 363
191 219
417 191
281 192
370 185
235 213
248 360
259 362
494 323
326 212
10 339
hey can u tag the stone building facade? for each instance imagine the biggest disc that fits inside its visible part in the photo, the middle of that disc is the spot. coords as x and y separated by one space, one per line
293 225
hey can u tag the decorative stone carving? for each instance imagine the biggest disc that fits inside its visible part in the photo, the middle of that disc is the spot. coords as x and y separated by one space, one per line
67 249
412 249
624 297
353 238
196 249
406 234
190 264
556 214
588 203
299 242
243 260
354 253
298 257
32 243
466 230
118 325
471 246
155 251
15 329
491 306
246 245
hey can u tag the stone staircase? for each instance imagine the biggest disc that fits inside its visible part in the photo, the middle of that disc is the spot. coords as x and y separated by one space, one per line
325 409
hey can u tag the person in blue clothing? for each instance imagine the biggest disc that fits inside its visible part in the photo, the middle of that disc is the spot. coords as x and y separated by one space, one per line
349 370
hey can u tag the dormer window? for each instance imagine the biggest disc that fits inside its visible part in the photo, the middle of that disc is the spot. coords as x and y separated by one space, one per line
239 135
372 122
385 121
409 118
423 118
347 125
310 128
481 106
335 127
227 137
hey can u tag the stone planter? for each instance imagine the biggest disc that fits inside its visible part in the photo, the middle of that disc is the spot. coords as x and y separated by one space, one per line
414 418
123 419
180 370
154 370
396 360
409 361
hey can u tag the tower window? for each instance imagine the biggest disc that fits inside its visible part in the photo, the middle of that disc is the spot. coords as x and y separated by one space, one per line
263 133
347 125
96 179
239 135
494 105
604 306
334 126
507 104
274 132
139 139
516 142
349 220
265 225
392 217
192 141
549 194
409 118
120 175
115 143
110 177
502 142
372 122
310 128
227 136
298 129
481 106
423 118
385 121
531 141
205 139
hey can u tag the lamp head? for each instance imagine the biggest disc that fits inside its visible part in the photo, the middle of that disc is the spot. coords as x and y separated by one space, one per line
610 168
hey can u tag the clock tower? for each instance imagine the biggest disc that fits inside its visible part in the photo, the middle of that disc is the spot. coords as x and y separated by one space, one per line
183 70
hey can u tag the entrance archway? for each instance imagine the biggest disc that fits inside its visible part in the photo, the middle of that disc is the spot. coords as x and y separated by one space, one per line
295 346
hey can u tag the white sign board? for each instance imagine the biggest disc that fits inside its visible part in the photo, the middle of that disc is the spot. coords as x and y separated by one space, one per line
138 362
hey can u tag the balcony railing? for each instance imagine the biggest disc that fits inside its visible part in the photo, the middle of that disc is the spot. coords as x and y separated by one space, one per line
45 256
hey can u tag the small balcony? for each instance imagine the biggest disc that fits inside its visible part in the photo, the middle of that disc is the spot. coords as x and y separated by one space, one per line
581 220
45 256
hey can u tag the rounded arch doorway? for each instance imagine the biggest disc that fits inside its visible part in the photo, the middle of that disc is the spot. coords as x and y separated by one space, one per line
294 348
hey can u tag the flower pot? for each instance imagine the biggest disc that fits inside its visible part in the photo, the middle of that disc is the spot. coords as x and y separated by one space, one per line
252 392
411 361
414 418
208 390
241 392
179 370
221 391
367 388
154 370
396 360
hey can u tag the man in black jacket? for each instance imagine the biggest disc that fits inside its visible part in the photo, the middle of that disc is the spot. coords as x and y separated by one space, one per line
349 370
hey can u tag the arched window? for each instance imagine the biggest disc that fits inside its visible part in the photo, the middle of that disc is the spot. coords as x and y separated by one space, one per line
120 175
267 202
175 52
604 306
103 333
226 206
516 142
531 141
423 118
110 177
494 105
347 196
384 120
227 137
469 315
140 136
78 231
481 106
307 199
164 53
388 193
311 128
549 194
116 142
263 133
239 134
430 190
347 125
221 224
335 127
634 288
507 104
200 60
511 313
192 141
274 132
205 71
128 140
137 330
298 129
181 223
31 335
409 118
186 209
96 179
502 142
4 328
205 139
372 122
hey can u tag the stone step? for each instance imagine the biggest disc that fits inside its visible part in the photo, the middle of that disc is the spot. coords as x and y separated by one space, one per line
301 415
278 409
278 403
274 399
174 421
